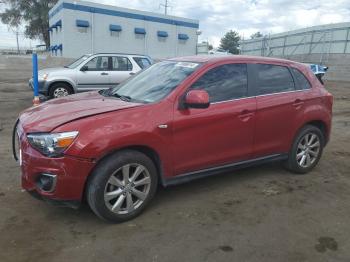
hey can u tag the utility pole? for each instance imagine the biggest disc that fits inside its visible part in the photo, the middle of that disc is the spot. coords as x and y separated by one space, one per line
17 42
166 6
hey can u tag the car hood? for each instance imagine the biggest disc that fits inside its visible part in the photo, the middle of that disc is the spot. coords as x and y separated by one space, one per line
53 70
51 114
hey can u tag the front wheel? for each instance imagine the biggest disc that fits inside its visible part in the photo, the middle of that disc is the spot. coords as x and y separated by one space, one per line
60 90
306 150
122 185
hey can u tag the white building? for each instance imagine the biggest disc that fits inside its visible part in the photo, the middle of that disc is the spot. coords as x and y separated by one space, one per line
78 27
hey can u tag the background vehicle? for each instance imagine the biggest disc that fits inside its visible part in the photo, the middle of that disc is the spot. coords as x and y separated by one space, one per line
218 51
176 121
90 72
318 70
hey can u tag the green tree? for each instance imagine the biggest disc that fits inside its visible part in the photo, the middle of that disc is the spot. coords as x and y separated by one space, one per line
256 35
33 14
230 42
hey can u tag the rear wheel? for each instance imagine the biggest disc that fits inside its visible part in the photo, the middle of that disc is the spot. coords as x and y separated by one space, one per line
306 150
122 185
60 90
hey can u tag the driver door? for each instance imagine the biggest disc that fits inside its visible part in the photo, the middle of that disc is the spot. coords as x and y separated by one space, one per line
95 74
222 133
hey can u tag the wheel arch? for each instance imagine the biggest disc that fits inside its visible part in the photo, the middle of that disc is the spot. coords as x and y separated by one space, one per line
148 151
320 124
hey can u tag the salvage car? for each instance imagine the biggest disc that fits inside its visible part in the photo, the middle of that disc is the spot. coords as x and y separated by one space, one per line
89 72
178 120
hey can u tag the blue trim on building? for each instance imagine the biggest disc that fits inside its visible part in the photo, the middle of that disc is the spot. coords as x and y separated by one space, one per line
183 37
82 23
98 10
115 28
140 31
162 34
58 23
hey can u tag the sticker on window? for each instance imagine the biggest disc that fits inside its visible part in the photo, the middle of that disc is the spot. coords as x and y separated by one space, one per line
186 64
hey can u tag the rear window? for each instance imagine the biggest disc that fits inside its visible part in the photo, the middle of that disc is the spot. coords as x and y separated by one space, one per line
143 62
273 79
301 80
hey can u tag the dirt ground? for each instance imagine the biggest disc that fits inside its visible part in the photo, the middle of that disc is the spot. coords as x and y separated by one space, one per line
257 214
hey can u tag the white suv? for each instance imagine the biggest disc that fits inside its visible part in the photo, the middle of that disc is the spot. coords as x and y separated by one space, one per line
90 72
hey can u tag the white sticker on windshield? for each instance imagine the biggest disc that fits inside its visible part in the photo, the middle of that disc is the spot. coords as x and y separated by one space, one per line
186 64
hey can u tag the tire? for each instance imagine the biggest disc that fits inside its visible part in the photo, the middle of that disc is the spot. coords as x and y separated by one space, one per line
302 148
108 193
60 90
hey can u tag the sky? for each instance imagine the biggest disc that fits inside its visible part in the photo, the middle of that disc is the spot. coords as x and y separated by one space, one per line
216 17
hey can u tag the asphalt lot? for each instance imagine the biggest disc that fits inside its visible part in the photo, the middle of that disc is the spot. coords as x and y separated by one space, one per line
257 214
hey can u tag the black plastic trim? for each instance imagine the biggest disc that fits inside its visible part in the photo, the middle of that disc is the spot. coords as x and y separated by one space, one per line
14 134
75 204
184 178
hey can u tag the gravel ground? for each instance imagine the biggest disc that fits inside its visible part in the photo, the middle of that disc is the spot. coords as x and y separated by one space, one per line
257 214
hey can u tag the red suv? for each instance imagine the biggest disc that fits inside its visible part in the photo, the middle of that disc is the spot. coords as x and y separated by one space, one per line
178 120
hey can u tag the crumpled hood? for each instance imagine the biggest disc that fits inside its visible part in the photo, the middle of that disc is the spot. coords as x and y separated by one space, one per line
51 114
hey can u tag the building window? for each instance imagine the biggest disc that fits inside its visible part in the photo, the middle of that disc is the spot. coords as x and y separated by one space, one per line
82 30
115 33
82 25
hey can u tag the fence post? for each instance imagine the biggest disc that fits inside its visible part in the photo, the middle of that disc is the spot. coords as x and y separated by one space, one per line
36 100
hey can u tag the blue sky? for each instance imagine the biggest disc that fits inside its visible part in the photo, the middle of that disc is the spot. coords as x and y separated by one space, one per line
245 16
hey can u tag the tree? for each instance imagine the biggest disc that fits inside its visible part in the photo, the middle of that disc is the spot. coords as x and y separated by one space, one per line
210 47
230 42
256 35
33 13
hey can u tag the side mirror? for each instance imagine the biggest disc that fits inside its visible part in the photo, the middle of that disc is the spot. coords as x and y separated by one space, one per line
84 68
197 99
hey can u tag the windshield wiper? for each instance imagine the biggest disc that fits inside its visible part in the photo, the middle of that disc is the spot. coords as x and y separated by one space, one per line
121 97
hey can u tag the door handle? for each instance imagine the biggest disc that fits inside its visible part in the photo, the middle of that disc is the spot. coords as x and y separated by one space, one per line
298 103
131 73
104 74
245 115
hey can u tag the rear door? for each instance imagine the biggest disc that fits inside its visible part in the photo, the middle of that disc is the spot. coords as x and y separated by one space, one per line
121 69
96 76
279 109
222 133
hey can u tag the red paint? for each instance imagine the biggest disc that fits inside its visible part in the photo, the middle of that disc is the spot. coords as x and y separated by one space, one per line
197 97
195 139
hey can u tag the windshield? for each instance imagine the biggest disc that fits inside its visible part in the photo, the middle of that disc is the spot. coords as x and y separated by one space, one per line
77 62
154 83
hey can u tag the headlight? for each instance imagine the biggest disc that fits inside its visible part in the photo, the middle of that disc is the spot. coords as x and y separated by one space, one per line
45 76
52 145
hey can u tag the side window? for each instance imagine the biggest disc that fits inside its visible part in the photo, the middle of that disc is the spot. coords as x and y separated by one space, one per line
224 82
142 62
99 63
273 79
301 80
120 63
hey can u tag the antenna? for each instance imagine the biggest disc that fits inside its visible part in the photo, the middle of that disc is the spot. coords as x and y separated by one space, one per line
166 6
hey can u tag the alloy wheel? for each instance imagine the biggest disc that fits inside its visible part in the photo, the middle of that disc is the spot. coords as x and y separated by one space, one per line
127 188
60 92
308 150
